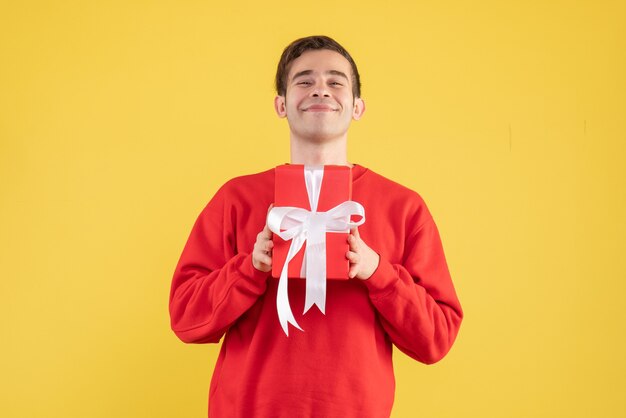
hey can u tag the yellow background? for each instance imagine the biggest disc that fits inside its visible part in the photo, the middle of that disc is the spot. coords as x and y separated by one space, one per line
120 119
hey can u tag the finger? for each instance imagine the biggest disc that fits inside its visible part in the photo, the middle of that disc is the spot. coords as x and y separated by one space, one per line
266 229
355 231
262 240
268 245
354 244
352 257
265 259
266 233
354 269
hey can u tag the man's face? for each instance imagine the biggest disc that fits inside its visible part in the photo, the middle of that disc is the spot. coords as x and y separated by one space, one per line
319 104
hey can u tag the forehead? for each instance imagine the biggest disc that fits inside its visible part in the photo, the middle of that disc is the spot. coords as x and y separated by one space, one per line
320 61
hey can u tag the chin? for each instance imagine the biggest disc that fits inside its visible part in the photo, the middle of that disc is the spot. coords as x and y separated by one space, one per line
320 137
323 133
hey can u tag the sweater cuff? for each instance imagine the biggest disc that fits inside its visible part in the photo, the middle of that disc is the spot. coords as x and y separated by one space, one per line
382 280
247 269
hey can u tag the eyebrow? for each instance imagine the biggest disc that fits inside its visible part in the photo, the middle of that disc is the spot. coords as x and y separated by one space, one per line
309 72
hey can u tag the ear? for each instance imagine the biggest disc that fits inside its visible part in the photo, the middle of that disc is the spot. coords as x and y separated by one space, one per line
280 106
359 108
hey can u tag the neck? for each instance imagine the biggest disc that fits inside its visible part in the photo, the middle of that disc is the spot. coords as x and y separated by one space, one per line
319 153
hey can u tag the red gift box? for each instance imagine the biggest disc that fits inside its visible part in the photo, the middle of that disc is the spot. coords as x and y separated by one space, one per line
290 190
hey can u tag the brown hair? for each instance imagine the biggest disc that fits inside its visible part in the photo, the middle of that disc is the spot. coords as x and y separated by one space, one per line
300 46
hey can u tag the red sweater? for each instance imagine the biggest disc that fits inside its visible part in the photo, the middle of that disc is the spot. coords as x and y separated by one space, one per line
340 366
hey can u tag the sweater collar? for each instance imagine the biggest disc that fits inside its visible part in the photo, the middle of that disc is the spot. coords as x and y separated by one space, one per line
357 171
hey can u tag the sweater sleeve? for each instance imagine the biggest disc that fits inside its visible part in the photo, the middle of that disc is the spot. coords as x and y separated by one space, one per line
416 300
213 283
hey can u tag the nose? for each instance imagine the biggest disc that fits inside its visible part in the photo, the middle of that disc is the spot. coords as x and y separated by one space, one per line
320 91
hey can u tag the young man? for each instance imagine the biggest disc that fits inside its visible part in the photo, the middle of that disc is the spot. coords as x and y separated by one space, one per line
401 292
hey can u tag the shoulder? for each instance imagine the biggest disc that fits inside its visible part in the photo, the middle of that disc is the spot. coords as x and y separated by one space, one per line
388 188
243 192
383 192
247 184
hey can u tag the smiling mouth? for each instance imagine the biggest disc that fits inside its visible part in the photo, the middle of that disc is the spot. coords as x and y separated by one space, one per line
319 108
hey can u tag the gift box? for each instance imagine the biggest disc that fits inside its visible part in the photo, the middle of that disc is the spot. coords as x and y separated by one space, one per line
291 190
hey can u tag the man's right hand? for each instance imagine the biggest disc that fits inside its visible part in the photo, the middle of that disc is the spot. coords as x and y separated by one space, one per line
262 252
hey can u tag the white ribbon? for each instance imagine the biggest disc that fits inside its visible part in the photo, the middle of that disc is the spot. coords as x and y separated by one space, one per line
300 225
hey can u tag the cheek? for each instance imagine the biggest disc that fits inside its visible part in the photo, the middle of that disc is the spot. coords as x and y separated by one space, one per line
347 100
292 102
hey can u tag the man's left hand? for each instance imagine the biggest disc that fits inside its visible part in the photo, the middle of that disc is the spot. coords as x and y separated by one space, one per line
363 260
